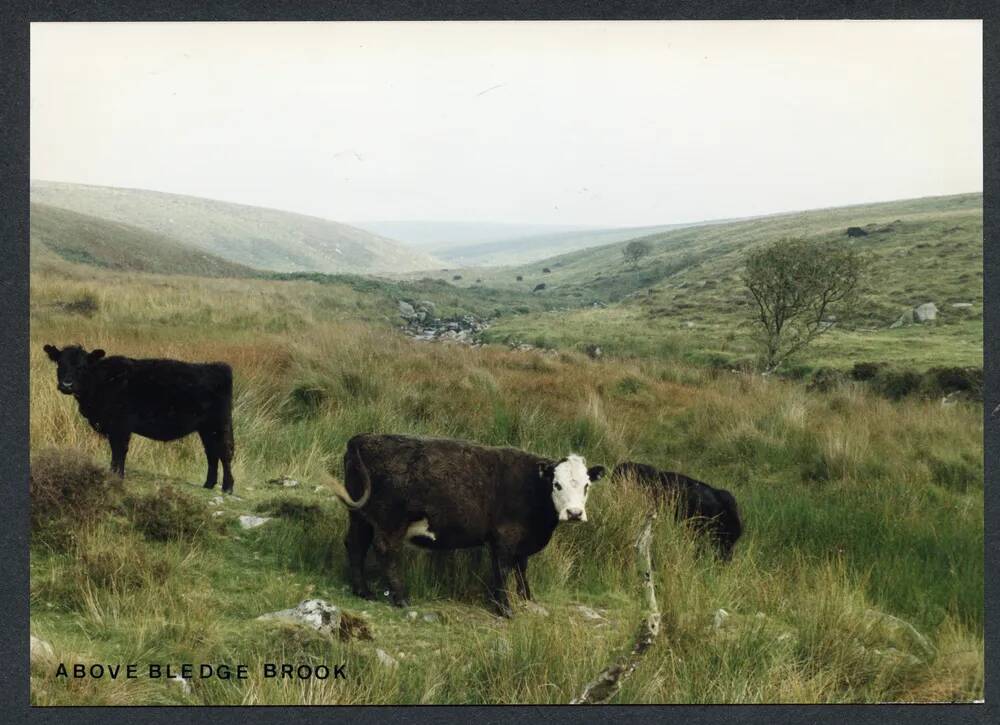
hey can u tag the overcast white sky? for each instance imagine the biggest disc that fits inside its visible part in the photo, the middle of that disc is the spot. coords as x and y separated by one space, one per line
595 123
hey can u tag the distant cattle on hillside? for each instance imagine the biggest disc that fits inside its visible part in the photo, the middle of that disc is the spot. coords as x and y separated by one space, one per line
539 287
444 494
154 398
712 510
856 232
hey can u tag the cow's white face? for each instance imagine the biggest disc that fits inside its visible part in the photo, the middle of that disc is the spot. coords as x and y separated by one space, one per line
570 479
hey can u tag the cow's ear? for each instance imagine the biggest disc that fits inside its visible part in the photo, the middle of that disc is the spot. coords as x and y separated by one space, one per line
595 473
95 355
52 351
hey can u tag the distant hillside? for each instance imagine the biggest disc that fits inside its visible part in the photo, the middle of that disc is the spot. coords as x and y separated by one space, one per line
445 234
523 250
82 239
254 236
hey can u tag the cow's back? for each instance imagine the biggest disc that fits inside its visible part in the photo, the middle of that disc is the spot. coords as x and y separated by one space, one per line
464 490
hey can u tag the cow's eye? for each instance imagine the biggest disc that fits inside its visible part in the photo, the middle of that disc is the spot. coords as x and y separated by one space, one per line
585 487
558 487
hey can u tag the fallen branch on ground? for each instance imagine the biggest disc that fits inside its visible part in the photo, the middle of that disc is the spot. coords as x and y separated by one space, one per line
607 684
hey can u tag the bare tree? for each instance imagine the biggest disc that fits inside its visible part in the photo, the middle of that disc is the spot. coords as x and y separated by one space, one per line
635 251
796 287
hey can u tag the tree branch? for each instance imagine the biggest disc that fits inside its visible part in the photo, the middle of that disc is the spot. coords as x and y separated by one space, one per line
608 683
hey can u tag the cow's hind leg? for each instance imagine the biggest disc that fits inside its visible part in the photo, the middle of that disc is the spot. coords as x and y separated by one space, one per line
503 561
387 553
357 542
226 451
521 574
119 450
210 438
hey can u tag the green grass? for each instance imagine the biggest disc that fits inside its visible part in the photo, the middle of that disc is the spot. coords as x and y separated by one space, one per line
851 502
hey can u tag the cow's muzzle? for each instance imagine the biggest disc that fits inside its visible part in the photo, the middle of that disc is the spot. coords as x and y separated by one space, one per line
66 388
575 515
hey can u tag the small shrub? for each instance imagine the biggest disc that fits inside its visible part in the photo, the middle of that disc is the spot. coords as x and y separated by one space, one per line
630 385
166 514
825 379
952 380
290 508
359 387
305 400
456 277
866 370
896 385
67 489
85 305
520 278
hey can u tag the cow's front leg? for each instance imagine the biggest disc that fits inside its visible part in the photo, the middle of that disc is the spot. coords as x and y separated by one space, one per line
387 553
119 449
521 574
503 561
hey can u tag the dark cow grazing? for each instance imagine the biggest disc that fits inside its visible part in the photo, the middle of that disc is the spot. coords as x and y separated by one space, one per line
159 399
713 510
445 494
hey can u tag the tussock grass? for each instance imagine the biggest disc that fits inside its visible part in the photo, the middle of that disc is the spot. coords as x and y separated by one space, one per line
852 504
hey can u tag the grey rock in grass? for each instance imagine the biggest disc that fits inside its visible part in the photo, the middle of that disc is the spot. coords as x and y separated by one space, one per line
314 613
184 684
284 481
427 307
385 659
252 522
925 312
961 305
41 652
904 319
590 614
535 608
406 311
216 501
901 629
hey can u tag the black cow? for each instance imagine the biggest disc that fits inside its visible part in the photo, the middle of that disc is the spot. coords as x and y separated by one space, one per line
712 510
159 399
448 494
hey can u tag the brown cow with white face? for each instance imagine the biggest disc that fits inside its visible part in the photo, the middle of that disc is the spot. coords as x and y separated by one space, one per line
444 494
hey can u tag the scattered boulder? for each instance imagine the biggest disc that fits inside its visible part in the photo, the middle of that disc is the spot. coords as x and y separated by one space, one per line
41 652
248 521
184 684
925 312
216 501
284 482
591 615
406 310
313 613
535 608
385 659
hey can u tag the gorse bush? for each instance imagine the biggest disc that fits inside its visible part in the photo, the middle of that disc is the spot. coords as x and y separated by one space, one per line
166 513
67 491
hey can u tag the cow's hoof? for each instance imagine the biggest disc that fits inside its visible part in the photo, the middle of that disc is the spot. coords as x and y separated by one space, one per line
228 490
209 484
366 594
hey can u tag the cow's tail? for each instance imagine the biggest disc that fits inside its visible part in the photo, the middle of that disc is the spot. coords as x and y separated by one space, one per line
354 468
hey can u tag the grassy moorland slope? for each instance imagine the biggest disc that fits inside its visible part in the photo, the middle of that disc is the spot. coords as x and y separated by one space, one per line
687 299
855 508
248 235
72 237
